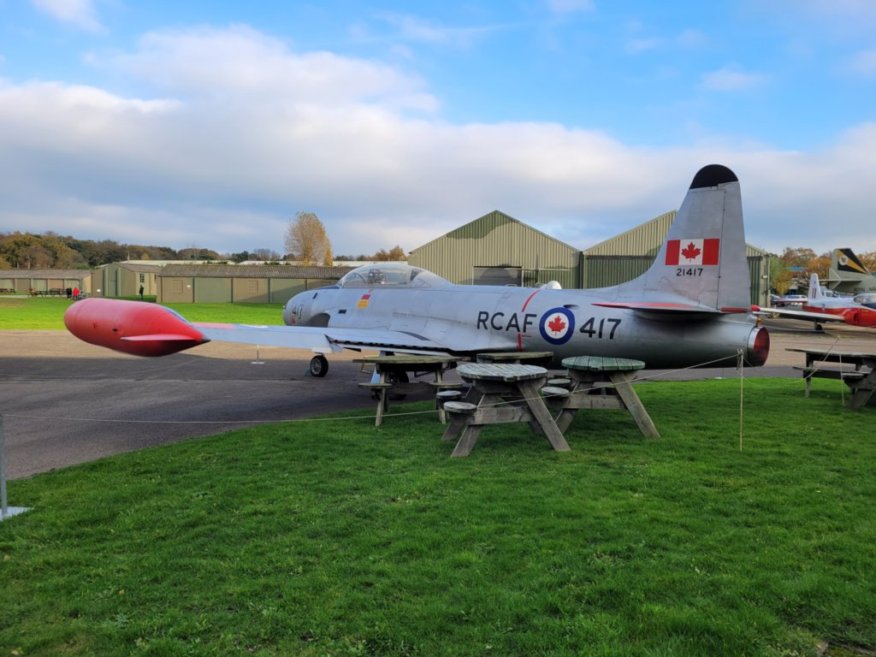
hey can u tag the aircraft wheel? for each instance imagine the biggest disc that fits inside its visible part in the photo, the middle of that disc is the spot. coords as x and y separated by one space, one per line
319 366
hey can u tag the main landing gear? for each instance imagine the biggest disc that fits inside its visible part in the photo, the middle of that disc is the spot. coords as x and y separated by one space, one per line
318 366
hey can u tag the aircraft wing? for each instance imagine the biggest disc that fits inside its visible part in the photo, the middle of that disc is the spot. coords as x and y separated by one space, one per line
660 307
320 338
800 314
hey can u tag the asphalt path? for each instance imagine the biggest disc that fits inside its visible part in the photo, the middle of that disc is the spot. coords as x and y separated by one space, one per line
65 402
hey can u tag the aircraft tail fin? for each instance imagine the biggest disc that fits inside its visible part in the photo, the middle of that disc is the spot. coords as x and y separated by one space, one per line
702 264
814 288
847 265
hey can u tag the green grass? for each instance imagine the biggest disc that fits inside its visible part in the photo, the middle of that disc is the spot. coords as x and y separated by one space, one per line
48 313
336 538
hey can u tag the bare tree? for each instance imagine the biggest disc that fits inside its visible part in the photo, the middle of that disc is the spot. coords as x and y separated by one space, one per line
306 240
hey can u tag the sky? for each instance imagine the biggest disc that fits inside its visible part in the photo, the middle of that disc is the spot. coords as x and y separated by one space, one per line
210 124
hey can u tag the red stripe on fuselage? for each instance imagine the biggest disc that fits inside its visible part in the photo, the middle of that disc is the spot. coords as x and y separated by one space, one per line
528 299
523 309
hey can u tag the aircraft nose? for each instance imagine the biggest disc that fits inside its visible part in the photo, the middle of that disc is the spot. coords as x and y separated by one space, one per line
293 313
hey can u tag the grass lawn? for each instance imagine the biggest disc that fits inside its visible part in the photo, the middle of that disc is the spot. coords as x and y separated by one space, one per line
335 538
43 313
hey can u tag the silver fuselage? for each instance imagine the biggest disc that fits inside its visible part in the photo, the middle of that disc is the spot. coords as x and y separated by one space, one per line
470 319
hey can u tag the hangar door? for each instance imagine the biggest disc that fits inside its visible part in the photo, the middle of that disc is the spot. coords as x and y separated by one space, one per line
497 276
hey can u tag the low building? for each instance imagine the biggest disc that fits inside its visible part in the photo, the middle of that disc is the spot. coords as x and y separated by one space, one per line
45 281
240 283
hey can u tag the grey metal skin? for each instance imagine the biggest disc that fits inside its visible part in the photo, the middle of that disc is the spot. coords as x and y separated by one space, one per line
691 308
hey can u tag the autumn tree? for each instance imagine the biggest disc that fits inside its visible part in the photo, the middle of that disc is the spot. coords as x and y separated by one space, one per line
868 260
394 254
796 265
306 240
268 255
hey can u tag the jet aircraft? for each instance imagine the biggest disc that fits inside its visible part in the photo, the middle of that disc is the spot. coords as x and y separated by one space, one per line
848 274
691 308
859 310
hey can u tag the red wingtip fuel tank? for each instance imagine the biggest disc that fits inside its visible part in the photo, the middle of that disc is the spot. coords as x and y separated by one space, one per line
133 327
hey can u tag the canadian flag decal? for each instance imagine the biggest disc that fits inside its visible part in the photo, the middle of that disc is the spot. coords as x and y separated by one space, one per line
692 252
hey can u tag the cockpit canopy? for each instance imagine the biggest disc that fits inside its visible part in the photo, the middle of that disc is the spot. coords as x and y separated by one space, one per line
391 274
866 299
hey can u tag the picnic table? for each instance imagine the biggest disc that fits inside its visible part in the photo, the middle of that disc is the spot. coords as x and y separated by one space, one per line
601 382
509 392
857 369
391 377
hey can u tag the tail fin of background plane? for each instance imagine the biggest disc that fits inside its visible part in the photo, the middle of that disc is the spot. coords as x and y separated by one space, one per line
845 260
702 265
814 288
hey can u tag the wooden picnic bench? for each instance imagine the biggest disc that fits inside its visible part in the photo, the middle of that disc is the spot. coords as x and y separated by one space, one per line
854 368
508 393
390 378
600 382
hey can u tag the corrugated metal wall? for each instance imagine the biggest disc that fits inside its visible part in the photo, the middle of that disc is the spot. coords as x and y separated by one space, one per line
176 289
644 239
497 240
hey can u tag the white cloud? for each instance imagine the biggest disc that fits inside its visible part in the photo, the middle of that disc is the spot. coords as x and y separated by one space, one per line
686 39
230 151
863 63
80 13
570 6
238 63
731 79
416 30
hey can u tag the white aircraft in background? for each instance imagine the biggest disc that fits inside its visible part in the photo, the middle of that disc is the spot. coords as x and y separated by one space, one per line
859 310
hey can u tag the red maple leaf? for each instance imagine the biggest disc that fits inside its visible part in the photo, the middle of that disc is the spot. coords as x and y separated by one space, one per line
556 324
690 251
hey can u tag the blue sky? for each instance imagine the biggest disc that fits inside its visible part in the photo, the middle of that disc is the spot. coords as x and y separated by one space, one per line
212 123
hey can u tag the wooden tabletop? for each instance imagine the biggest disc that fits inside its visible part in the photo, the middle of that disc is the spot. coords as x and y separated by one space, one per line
406 359
833 354
602 364
500 371
499 356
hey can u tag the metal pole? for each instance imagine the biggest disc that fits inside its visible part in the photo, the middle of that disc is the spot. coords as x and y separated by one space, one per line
3 501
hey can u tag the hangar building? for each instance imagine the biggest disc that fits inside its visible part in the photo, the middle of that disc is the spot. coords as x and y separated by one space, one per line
498 249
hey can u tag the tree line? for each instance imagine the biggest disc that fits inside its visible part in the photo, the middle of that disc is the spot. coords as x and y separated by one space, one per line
306 242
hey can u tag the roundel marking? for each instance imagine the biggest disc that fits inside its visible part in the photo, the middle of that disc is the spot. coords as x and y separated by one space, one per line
557 325
844 259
